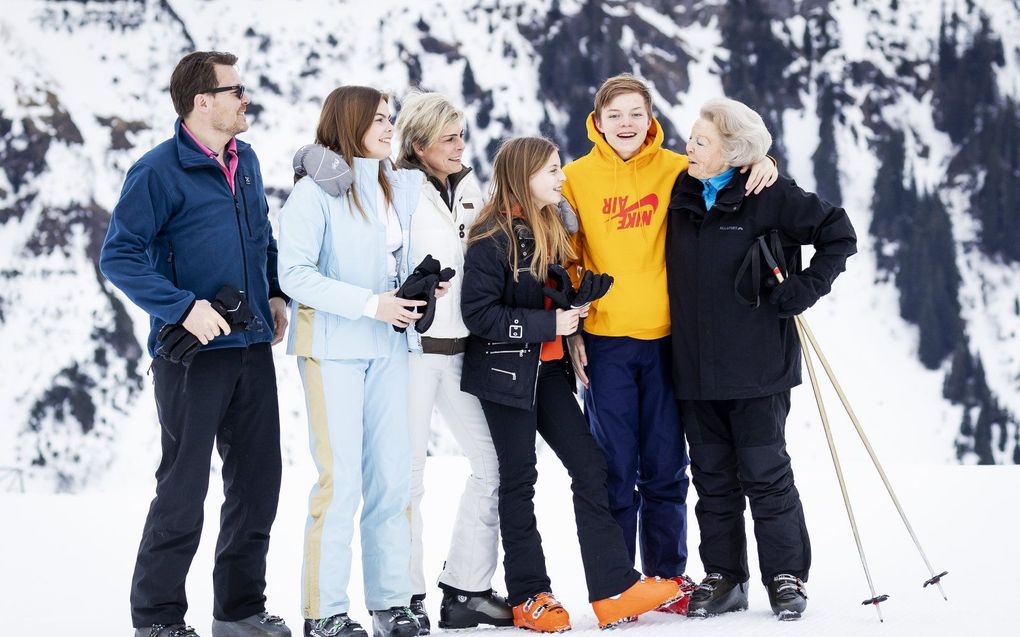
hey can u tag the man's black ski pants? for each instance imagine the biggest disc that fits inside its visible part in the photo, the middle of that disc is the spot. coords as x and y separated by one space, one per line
227 397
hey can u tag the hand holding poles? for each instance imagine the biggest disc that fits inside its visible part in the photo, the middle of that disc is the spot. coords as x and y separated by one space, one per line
807 339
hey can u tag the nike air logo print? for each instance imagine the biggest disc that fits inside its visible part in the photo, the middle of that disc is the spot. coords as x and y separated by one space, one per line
634 215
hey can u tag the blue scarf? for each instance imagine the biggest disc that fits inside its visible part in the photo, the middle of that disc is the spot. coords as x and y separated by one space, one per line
714 184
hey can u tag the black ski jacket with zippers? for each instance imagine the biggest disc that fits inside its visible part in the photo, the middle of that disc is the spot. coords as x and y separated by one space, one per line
507 320
723 346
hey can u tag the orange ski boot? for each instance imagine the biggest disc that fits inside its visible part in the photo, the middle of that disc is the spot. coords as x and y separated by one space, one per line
679 607
543 614
646 594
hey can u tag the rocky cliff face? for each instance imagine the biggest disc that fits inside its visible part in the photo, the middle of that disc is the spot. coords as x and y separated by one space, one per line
905 112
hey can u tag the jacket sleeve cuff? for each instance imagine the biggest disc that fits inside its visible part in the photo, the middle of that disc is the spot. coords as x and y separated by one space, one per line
184 316
371 306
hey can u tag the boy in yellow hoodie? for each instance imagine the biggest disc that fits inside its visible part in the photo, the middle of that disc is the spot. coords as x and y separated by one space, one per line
620 191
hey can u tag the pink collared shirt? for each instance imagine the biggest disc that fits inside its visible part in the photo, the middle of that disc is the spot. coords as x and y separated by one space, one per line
229 166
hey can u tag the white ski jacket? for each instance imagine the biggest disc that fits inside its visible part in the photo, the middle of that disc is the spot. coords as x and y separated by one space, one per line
443 233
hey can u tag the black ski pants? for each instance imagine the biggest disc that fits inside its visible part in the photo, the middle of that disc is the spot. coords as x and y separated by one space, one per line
738 451
608 567
227 397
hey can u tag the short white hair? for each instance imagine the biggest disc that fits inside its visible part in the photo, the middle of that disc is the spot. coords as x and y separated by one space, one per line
745 139
421 120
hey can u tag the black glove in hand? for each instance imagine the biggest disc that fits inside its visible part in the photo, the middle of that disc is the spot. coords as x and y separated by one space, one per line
562 292
793 296
232 305
421 285
176 344
592 287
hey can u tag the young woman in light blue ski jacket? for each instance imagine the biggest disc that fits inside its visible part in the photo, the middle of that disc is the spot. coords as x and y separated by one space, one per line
341 260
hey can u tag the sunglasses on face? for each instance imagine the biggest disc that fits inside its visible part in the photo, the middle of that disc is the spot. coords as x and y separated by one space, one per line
236 89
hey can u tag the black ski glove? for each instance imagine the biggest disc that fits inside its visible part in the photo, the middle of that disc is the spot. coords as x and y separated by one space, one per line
793 296
176 344
592 287
421 285
232 305
562 292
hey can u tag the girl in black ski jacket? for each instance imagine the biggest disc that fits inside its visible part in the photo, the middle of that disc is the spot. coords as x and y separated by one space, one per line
516 364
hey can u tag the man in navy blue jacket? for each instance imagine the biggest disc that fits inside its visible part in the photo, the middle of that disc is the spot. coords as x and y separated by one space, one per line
193 217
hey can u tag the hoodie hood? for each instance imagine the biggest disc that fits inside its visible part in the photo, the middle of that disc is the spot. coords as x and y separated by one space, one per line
622 206
651 145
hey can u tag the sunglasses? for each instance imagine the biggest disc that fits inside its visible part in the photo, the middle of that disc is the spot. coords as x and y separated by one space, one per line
236 89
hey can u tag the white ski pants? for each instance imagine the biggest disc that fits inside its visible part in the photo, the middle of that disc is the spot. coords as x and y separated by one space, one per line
471 560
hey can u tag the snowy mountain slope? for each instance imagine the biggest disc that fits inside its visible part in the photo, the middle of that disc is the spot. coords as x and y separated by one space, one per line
904 112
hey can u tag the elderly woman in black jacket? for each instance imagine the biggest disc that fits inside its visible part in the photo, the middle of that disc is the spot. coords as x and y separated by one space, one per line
735 359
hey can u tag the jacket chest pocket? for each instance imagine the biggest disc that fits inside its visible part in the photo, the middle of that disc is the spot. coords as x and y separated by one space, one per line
252 201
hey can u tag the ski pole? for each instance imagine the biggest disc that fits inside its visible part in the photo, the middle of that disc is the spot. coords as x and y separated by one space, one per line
804 329
875 599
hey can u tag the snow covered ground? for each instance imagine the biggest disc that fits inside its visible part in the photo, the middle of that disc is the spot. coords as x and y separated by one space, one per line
67 560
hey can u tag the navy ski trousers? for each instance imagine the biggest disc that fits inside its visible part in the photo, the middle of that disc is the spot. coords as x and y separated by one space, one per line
634 417
226 398
738 451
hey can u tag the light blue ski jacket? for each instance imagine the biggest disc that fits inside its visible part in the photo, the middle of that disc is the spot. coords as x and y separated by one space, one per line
332 259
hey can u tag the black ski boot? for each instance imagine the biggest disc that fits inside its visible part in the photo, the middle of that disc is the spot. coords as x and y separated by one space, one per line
462 610
418 608
334 626
397 621
258 625
166 630
716 595
787 596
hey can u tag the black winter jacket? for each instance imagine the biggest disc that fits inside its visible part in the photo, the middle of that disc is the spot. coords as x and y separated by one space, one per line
724 348
507 320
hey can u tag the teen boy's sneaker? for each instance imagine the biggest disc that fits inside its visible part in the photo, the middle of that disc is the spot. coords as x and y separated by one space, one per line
468 611
648 593
679 607
787 596
334 626
258 625
397 621
543 614
418 608
166 630
715 595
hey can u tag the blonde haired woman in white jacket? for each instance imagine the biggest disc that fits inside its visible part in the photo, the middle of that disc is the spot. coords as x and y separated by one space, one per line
431 132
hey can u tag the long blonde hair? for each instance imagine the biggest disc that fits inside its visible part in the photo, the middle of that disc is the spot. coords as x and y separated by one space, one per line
517 161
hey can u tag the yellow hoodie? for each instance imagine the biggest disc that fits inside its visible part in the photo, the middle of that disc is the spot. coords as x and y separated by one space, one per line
622 206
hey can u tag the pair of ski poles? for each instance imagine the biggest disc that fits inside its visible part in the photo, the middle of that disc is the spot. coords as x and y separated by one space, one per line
808 343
